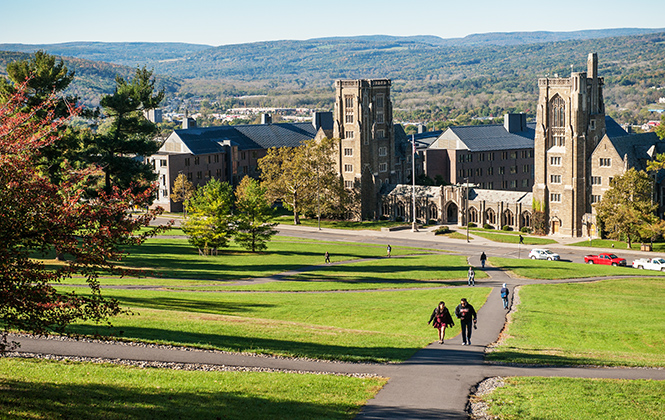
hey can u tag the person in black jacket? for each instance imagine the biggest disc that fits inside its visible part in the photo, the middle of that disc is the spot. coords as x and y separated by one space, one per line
442 319
467 316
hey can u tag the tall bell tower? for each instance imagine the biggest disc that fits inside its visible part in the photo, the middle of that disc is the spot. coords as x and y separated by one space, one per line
570 121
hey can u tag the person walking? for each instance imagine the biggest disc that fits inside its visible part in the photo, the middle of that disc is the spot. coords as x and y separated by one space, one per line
483 257
521 240
471 280
468 318
442 319
504 296
327 258
388 249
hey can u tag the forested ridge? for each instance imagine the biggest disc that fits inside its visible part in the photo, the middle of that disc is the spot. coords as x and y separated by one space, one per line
432 80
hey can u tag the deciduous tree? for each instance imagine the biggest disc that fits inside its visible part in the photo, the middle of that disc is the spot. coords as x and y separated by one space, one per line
209 222
253 227
183 189
627 205
38 217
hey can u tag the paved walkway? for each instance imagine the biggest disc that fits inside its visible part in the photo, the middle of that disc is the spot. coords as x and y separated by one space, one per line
434 384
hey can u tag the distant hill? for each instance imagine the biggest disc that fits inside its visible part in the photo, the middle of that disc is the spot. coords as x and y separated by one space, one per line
433 78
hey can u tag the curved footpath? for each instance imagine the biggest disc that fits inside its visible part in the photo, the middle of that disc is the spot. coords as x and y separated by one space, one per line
434 384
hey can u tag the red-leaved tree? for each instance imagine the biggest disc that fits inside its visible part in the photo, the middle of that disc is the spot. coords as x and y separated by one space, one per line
38 217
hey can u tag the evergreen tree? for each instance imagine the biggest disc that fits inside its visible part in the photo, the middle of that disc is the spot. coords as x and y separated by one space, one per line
125 134
254 214
209 223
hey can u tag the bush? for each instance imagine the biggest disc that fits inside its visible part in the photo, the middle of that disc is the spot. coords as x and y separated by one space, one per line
488 226
442 230
471 224
399 219
525 229
506 228
384 218
431 222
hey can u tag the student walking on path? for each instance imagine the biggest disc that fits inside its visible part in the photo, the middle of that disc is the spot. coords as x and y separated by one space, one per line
504 296
327 258
442 319
483 257
468 319
388 249
471 280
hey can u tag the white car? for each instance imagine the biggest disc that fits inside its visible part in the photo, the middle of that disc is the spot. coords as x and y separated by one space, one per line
657 264
543 254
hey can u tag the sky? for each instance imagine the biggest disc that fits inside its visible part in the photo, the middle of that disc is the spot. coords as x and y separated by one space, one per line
221 22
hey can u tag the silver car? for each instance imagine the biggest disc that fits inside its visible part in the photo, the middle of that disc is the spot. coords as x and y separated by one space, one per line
543 254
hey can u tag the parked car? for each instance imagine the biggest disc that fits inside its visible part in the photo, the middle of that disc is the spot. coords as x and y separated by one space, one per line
543 254
657 264
605 259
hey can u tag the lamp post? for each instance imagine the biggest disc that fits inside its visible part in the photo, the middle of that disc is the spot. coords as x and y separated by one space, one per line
466 212
414 225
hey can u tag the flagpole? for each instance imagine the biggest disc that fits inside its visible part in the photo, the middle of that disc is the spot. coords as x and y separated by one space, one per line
414 225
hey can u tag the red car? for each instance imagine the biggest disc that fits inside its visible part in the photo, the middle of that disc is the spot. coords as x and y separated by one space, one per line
606 259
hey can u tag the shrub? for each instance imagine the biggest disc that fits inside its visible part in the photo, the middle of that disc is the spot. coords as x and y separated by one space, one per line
525 229
399 219
442 230
431 222
471 224
506 228
488 226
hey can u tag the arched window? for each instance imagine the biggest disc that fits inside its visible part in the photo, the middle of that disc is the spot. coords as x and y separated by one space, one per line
386 209
490 216
508 218
526 219
433 212
473 215
557 121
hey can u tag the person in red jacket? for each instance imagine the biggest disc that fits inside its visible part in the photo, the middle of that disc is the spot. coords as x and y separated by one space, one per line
442 319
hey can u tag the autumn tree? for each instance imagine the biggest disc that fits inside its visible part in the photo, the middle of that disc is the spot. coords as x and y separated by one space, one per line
627 206
38 217
209 223
183 189
124 133
303 177
253 227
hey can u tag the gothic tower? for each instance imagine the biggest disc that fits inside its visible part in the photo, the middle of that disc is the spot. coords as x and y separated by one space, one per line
570 121
364 126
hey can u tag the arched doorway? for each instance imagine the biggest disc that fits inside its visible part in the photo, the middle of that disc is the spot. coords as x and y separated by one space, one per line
556 224
451 213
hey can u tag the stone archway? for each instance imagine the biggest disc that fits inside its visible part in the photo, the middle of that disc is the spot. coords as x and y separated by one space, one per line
526 219
490 216
452 213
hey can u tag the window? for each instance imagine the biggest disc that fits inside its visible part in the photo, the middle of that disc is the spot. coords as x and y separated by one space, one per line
196 160
469 173
479 171
504 184
469 158
460 173
217 157
490 171
513 184
349 116
525 169
383 167
348 101
605 162
530 153
383 151
558 112
525 182
348 168
504 155
379 117
592 124
243 155
513 169
199 175
490 156
218 174
379 101
555 179
348 184
380 134
595 199
524 154
502 170
207 174
555 198
490 185
596 180
513 155
460 158
348 151
190 176
186 161
348 134
253 156
555 160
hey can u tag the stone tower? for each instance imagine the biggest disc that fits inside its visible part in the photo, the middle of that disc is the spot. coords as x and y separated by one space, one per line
363 123
570 121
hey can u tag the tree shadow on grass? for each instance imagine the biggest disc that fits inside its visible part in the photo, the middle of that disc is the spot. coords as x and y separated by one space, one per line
194 305
96 401
536 359
263 345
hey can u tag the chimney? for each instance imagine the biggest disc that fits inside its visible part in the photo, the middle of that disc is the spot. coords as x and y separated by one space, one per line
422 128
266 119
188 122
322 120
514 123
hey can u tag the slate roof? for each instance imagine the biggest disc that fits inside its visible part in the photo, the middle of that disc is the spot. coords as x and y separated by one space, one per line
246 137
480 138
496 196
424 140
613 129
635 148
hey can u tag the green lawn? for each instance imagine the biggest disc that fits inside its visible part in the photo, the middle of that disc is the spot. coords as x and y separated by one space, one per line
176 258
555 270
513 238
609 322
618 245
341 224
372 326
572 398
32 389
